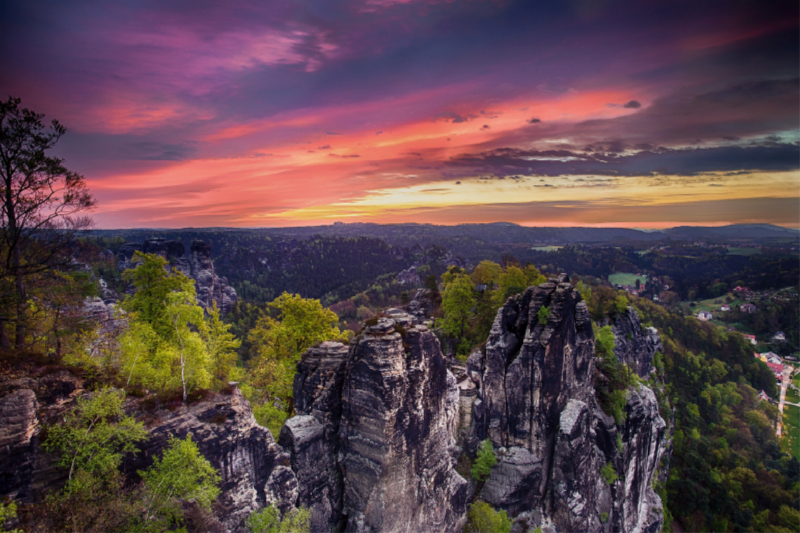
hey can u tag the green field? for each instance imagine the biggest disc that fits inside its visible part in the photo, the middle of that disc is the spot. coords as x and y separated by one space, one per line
711 305
792 396
735 250
547 248
791 430
622 278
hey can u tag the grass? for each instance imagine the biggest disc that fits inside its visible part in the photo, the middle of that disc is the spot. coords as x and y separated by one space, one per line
547 248
791 430
736 250
710 305
792 395
622 278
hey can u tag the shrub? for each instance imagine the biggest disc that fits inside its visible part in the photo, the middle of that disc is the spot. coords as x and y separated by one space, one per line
482 518
484 461
543 314
270 417
268 520
608 473
619 442
603 518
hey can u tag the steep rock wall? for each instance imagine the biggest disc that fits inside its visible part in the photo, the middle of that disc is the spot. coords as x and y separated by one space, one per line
394 448
536 403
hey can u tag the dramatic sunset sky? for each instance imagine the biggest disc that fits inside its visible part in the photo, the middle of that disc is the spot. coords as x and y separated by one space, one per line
572 112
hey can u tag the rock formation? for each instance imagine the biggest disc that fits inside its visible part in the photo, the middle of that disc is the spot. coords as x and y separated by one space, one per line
635 346
197 265
536 403
390 466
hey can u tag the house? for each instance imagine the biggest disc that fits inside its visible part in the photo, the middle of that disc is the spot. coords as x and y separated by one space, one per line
725 308
772 358
751 338
704 315
777 369
748 308
763 395
779 337
655 297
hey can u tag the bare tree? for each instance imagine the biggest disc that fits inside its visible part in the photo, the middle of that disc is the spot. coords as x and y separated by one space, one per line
43 206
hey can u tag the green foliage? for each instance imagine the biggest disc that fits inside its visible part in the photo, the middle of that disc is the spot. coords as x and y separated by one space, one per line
728 471
221 345
619 443
182 474
482 518
486 273
268 520
164 346
621 304
613 377
94 436
603 518
270 417
609 473
458 300
484 461
298 323
584 290
8 512
512 281
543 315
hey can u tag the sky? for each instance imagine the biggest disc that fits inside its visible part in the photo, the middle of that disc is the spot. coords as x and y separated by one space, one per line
257 113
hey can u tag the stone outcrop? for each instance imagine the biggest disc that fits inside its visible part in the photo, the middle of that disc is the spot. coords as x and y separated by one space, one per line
227 434
396 407
536 403
635 345
211 289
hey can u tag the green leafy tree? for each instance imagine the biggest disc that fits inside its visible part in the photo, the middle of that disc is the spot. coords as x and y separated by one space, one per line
164 347
298 323
512 281
482 518
486 273
181 474
533 276
458 300
268 520
42 207
221 345
94 436
484 461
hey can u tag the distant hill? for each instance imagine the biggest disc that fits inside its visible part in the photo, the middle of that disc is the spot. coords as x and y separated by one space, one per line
752 232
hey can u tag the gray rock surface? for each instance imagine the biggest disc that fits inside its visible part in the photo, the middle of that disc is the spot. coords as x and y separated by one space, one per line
395 404
635 345
536 393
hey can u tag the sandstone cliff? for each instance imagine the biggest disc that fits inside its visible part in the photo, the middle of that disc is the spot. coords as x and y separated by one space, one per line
380 418
536 402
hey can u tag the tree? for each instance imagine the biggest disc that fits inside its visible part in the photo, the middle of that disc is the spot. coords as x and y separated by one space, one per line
95 435
298 324
482 518
486 273
222 346
164 346
512 281
42 207
484 461
457 301
268 520
182 474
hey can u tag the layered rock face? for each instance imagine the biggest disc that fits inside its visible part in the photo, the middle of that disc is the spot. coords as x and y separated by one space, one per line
396 407
211 289
635 346
536 403
255 471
